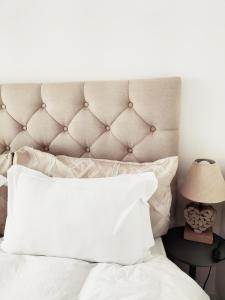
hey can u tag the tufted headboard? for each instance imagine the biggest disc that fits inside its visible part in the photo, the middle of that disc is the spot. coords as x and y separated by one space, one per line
134 120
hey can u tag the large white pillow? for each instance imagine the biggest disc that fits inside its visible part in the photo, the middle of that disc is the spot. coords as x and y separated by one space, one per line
94 219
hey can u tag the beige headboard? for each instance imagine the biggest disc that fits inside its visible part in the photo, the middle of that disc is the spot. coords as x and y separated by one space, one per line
134 120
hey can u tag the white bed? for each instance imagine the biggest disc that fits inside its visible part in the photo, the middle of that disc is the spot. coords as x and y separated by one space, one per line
127 121
50 278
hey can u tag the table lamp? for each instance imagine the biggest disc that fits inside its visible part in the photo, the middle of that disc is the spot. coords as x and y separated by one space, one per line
204 184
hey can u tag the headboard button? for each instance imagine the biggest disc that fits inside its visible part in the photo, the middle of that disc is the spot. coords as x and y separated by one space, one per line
3 106
130 104
129 150
7 148
43 105
152 128
24 127
46 148
86 104
107 127
87 149
65 128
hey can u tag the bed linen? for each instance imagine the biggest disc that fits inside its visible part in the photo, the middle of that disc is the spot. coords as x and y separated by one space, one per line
25 277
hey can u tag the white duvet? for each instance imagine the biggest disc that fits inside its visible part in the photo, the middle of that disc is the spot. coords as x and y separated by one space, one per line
25 277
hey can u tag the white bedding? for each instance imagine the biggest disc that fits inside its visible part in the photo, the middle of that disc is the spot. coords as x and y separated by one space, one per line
25 277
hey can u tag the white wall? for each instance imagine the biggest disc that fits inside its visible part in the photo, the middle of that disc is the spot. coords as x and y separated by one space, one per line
122 39
50 40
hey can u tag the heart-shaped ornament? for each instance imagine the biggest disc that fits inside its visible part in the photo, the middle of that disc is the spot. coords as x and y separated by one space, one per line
199 219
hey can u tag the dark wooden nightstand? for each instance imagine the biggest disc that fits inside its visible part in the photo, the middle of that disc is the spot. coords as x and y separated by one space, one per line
191 253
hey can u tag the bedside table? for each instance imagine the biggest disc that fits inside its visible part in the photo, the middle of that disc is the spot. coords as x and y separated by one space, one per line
191 253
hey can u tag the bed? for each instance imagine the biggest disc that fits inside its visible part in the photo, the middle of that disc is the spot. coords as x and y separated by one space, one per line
125 121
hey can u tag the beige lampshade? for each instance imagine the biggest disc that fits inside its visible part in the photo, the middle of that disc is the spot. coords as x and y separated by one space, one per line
204 182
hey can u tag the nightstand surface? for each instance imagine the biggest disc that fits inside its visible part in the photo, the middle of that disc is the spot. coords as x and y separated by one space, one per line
189 252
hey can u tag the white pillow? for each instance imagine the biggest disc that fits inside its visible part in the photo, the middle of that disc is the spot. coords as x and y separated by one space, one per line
93 219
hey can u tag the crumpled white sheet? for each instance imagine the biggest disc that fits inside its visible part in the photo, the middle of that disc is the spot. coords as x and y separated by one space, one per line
157 279
26 277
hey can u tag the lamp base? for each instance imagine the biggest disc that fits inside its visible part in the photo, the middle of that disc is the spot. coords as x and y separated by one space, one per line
205 237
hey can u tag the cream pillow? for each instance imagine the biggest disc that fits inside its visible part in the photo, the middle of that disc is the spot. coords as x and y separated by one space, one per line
65 166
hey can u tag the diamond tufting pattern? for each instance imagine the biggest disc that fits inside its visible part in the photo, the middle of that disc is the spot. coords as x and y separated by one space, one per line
134 120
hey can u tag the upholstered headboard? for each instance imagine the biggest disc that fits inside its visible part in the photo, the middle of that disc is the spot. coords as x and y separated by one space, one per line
134 120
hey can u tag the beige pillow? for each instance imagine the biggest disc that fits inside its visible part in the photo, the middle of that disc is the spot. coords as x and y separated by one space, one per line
65 166
5 162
